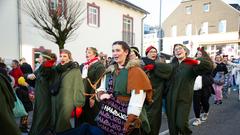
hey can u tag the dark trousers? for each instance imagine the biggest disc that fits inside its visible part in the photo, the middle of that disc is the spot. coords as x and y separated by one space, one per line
200 101
138 131
84 129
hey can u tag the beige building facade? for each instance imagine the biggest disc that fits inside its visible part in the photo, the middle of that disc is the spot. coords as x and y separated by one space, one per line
212 24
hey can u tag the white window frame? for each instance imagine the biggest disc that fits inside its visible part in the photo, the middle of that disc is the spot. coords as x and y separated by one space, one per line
128 35
204 28
56 6
93 16
53 4
222 26
188 10
127 24
206 7
188 29
174 30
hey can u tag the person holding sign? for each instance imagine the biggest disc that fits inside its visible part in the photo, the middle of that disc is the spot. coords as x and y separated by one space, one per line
122 92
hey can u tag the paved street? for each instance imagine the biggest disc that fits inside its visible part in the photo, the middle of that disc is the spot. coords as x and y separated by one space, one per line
223 119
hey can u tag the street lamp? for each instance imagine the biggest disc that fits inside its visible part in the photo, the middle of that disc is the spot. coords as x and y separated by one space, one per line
160 28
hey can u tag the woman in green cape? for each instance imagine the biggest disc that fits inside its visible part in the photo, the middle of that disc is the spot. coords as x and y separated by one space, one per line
180 88
8 125
154 110
70 95
44 76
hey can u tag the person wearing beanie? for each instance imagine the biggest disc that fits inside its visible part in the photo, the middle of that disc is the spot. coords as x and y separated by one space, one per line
154 110
134 53
150 48
168 80
179 90
43 77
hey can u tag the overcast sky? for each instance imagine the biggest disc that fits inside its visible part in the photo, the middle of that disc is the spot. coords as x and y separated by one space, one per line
168 6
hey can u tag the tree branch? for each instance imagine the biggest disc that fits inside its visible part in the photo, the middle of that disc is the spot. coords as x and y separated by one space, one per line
60 24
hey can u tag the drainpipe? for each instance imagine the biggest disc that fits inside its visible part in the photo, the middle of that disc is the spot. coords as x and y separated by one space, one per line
19 7
142 33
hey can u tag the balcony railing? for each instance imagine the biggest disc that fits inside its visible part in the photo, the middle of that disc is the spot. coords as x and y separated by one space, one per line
128 37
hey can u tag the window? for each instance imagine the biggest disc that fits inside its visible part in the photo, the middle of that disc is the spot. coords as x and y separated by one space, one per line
188 10
206 7
212 47
93 12
57 6
204 28
188 29
128 35
222 26
174 31
53 4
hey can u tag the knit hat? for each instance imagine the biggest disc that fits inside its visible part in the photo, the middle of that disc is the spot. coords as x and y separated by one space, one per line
149 48
136 51
46 55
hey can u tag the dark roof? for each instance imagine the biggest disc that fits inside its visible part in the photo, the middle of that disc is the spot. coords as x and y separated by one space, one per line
236 6
130 5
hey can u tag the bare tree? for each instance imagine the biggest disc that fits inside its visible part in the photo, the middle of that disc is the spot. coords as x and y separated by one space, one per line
58 19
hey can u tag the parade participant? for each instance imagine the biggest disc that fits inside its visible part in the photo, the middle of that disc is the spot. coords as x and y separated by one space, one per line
154 110
15 72
180 88
69 95
123 90
202 91
8 125
92 71
134 53
26 69
4 71
23 95
44 76
227 79
218 74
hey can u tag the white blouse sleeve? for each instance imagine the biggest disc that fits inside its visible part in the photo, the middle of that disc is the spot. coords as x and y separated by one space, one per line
136 102
85 71
102 85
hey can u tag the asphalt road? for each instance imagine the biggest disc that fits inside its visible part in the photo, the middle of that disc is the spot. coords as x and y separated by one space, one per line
223 119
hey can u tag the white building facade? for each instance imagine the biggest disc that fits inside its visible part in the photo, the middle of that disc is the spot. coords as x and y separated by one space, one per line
105 21
9 41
